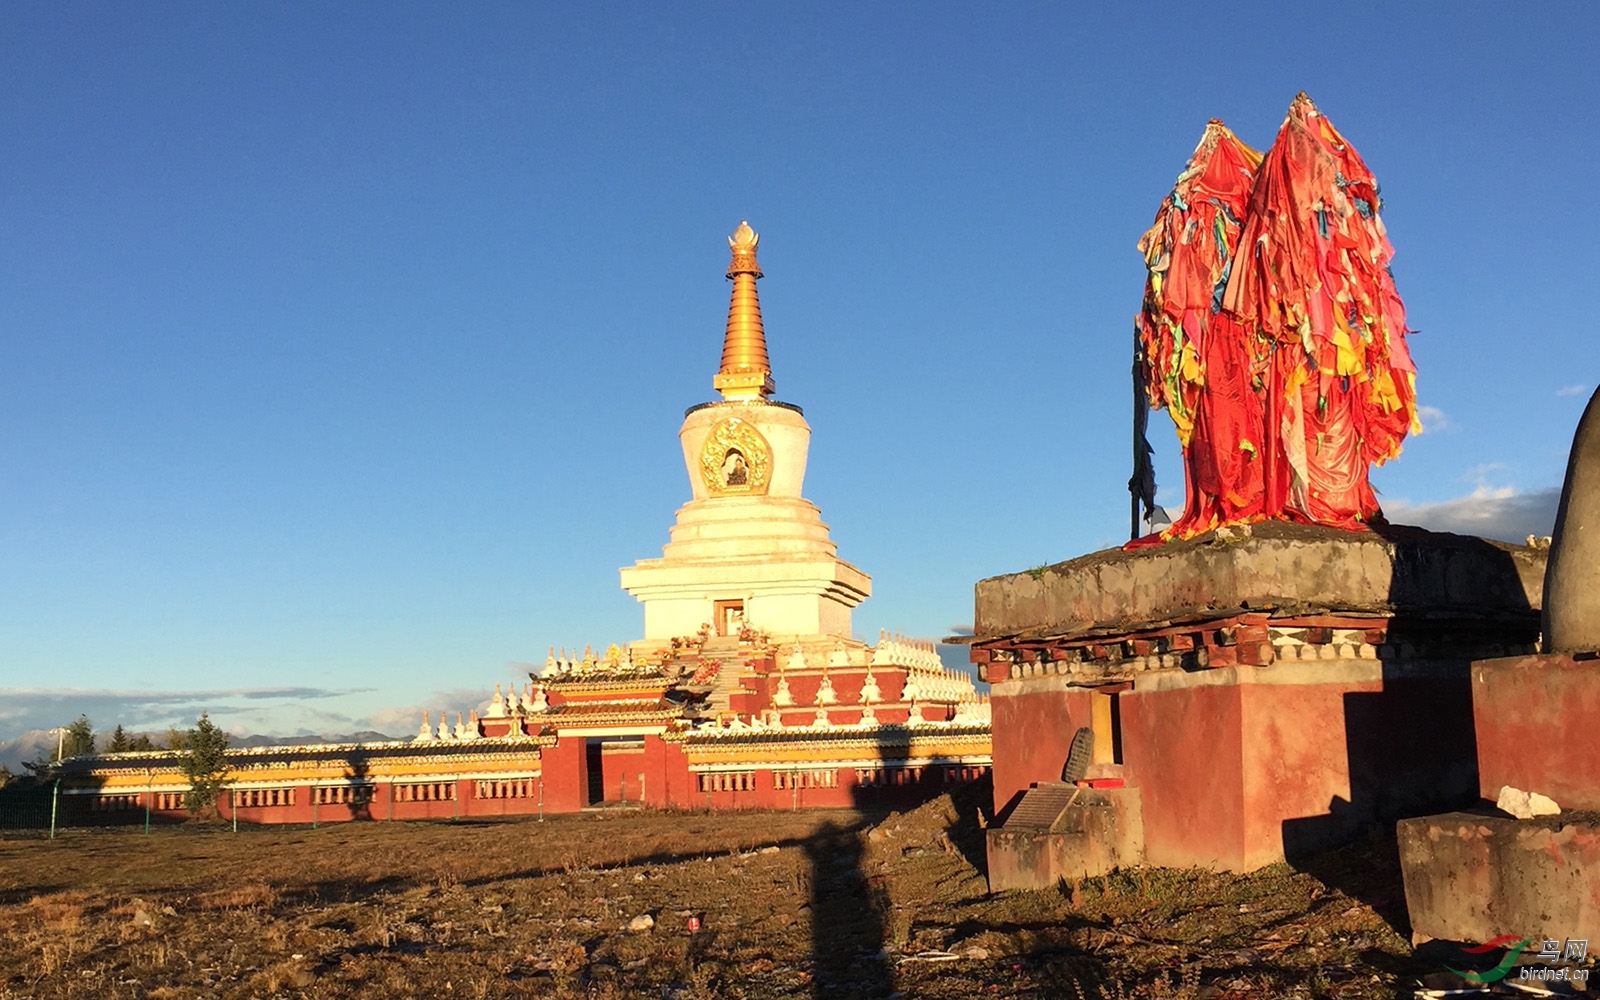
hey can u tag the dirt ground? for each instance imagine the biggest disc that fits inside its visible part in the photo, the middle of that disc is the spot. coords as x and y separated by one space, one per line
789 904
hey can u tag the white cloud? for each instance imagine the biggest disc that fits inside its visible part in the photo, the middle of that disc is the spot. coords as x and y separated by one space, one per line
27 715
283 710
1572 390
1489 512
1433 419
403 720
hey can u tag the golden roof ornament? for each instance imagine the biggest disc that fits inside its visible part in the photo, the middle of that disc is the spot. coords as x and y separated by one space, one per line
745 374
743 244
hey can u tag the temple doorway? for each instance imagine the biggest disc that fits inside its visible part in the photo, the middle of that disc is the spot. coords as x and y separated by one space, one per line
615 770
729 617
595 767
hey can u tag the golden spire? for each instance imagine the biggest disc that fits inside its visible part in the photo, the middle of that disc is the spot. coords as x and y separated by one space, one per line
745 371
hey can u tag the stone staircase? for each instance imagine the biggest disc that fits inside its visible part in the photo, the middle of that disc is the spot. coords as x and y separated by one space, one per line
725 649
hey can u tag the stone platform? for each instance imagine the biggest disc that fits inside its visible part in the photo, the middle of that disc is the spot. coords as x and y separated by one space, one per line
1470 877
1265 694
1271 565
1060 831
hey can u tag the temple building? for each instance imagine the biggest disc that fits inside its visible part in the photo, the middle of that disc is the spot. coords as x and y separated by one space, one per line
747 690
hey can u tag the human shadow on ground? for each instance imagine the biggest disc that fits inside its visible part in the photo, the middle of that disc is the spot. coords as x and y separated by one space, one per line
974 805
847 919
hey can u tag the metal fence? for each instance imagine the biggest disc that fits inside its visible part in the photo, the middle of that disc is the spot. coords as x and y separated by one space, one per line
31 812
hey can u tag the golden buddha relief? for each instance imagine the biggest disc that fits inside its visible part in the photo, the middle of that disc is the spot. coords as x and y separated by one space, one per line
735 459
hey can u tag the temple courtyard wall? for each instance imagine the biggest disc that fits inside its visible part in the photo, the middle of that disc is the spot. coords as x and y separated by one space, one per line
840 767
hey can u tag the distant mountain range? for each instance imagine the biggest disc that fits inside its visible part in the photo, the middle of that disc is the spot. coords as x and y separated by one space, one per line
41 743
366 736
31 745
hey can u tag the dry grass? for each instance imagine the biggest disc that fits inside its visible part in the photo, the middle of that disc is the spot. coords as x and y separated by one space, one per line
237 897
790 905
59 911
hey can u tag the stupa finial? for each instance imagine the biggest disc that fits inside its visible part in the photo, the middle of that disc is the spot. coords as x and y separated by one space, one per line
745 372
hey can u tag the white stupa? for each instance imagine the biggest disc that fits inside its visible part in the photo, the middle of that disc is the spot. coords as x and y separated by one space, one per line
748 549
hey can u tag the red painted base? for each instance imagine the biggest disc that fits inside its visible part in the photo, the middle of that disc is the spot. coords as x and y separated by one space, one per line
1538 726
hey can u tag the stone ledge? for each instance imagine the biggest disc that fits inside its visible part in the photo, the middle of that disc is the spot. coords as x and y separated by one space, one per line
1390 570
1227 639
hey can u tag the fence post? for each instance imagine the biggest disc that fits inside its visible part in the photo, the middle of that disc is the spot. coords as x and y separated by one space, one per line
55 795
233 807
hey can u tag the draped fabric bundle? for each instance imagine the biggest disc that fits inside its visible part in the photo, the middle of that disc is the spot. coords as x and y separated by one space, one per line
1197 359
1272 329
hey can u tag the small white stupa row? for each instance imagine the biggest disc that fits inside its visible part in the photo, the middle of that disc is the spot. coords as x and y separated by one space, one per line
530 701
464 731
617 659
900 651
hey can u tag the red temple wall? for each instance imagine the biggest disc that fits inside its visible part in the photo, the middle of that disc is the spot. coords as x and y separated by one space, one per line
563 788
760 788
847 685
666 771
623 773
566 774
498 727
1242 775
1181 748
1295 760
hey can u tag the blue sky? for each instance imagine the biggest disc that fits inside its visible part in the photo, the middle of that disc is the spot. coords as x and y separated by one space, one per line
343 348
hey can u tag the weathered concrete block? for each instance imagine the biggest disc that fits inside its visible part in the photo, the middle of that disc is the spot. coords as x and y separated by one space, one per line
1092 832
1471 878
1537 720
1393 569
